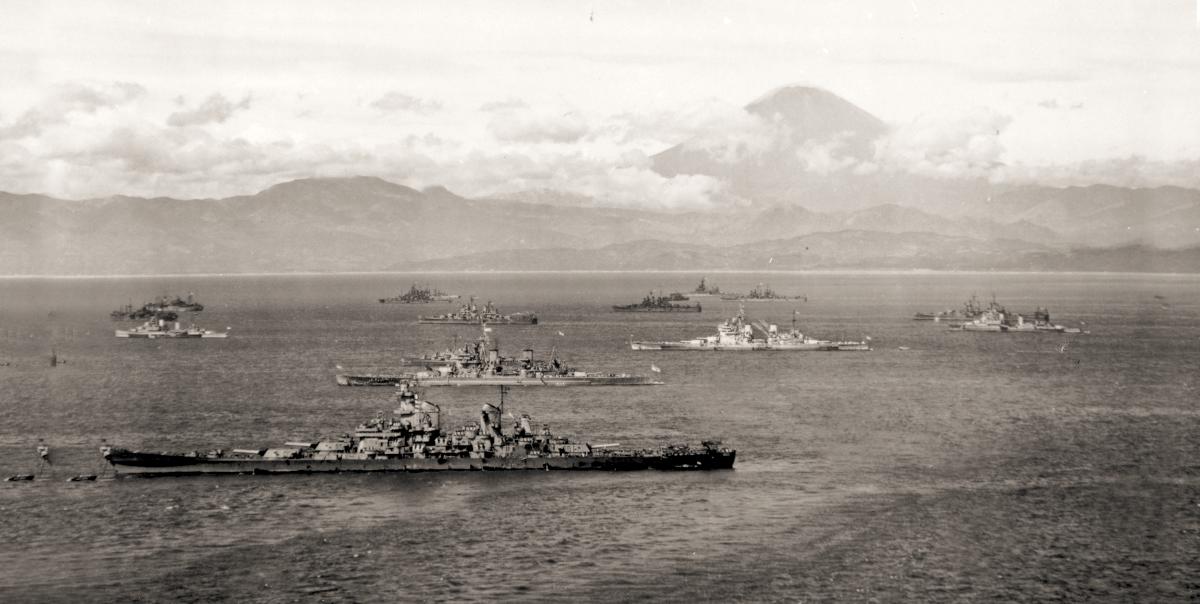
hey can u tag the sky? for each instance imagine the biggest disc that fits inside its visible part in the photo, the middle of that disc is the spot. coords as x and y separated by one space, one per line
211 99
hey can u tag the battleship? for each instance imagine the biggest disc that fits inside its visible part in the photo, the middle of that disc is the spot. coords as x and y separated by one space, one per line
473 314
653 303
760 294
479 363
738 334
420 295
704 290
994 318
160 328
412 440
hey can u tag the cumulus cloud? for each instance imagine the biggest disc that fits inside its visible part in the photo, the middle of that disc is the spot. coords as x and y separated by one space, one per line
215 109
1130 171
726 132
531 126
66 99
394 102
963 147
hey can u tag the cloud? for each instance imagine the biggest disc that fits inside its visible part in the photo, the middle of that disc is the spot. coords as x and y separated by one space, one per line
395 102
1131 171
63 100
503 105
215 109
964 147
1054 104
726 132
530 126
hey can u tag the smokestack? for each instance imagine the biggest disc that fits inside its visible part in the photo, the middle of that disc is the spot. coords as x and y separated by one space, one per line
527 355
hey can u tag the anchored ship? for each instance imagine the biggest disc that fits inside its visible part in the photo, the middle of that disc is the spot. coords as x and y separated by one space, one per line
761 293
176 305
420 295
653 303
412 440
162 329
472 314
479 363
972 309
995 318
704 290
738 334
139 314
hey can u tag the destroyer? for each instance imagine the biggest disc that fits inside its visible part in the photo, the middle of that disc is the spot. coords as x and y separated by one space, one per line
738 334
472 314
420 295
161 329
479 364
653 303
412 441
761 293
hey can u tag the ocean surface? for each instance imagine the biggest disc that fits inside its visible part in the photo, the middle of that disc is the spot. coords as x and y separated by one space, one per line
966 466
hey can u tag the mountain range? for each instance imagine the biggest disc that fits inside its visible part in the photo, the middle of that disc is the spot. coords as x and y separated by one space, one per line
795 218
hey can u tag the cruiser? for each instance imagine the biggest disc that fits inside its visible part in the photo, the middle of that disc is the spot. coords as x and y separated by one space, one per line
738 334
420 295
412 440
472 314
479 364
995 318
760 294
653 303
162 329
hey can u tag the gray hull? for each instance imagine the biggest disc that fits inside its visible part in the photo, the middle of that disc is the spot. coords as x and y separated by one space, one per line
558 381
128 463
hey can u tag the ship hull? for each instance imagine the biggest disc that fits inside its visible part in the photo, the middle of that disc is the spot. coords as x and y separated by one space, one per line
503 321
559 381
754 346
133 335
132 463
658 309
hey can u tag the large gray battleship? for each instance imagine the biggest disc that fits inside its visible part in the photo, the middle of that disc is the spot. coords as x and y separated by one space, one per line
738 334
473 314
479 363
412 440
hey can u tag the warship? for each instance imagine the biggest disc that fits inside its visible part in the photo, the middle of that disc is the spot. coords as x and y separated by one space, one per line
176 305
128 312
704 290
160 328
473 314
653 303
479 363
995 319
420 295
412 440
972 309
738 334
760 294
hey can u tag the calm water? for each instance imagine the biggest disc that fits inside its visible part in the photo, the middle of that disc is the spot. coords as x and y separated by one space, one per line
970 466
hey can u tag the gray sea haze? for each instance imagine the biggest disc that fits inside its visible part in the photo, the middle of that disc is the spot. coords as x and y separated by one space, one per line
967 467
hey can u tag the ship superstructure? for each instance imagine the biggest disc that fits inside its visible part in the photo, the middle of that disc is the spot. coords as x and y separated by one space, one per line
471 313
160 328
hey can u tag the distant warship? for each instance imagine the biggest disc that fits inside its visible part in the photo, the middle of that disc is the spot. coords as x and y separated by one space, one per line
412 441
472 314
738 334
995 318
653 303
704 290
420 295
759 294
162 329
176 305
479 363
972 309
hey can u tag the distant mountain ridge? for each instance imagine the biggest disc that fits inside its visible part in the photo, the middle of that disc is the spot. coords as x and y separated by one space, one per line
364 223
